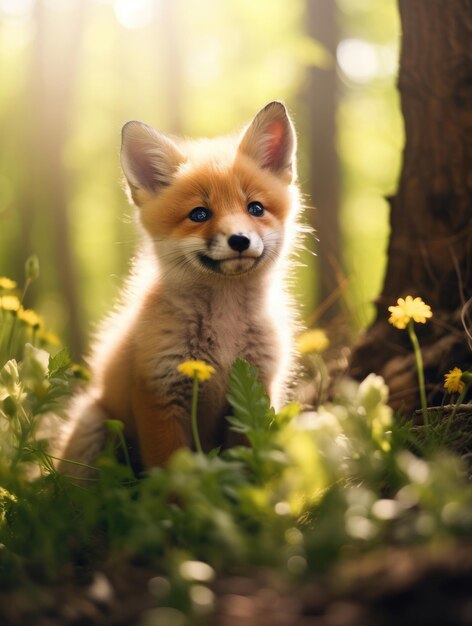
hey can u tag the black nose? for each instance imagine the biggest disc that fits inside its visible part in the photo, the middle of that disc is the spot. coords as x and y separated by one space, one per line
239 242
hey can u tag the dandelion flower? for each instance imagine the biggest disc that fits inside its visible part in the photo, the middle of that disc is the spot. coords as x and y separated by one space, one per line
80 371
402 315
9 303
30 317
314 340
453 382
6 283
196 369
409 309
49 337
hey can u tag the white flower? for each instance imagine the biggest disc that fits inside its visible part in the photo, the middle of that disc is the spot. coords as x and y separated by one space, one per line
10 384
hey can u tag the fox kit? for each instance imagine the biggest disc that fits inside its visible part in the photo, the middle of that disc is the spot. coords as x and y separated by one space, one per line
218 218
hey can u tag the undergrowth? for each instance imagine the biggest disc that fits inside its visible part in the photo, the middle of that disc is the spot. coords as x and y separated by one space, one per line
310 488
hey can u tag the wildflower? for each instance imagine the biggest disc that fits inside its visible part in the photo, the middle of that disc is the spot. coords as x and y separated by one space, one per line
49 337
403 314
34 370
453 382
199 371
9 303
30 317
38 357
80 371
196 369
314 340
372 396
409 309
456 381
6 283
10 382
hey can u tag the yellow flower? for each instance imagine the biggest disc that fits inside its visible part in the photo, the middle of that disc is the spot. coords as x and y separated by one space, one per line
314 340
48 337
7 283
196 369
30 317
409 309
453 382
80 371
9 303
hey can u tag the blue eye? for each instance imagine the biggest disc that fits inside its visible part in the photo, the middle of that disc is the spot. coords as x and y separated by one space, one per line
255 209
199 214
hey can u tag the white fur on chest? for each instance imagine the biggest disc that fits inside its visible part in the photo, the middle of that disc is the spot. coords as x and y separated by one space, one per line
232 323
217 322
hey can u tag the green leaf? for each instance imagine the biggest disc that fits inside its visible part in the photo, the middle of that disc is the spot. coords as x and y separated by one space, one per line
248 398
213 454
287 414
236 424
59 363
115 427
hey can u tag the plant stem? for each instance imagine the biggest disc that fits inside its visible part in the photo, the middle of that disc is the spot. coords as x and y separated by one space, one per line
125 452
12 334
63 460
419 367
13 326
454 410
196 436
324 378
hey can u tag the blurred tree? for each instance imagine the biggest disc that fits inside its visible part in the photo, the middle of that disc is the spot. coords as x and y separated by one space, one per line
172 50
43 202
321 106
431 219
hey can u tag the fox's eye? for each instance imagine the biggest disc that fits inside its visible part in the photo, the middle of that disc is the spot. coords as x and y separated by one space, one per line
199 214
255 208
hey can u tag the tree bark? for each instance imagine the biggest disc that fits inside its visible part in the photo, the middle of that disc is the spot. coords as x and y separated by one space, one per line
430 249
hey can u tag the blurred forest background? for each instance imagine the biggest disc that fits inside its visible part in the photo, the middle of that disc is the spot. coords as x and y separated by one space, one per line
72 72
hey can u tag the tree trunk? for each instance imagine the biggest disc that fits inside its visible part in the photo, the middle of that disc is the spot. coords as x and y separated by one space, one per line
59 58
43 204
430 249
321 105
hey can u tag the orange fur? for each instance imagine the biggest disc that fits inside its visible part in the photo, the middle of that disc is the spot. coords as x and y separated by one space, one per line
210 290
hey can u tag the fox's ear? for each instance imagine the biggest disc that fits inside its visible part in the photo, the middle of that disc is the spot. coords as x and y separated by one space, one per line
149 159
271 141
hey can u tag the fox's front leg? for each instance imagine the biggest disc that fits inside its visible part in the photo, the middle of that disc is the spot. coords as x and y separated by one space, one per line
162 421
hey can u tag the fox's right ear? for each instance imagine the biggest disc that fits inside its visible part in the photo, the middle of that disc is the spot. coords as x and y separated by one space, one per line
149 160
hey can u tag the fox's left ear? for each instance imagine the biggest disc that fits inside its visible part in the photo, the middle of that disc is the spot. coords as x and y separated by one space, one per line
271 141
